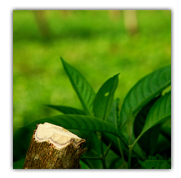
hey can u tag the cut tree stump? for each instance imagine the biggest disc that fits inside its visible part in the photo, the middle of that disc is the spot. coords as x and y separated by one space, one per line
53 147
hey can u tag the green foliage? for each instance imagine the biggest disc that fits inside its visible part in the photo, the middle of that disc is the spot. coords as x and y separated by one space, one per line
116 139
81 86
155 162
104 98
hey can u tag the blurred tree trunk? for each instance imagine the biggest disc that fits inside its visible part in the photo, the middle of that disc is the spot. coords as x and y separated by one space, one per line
42 23
130 21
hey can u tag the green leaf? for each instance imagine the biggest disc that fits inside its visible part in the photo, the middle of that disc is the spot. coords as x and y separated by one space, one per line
93 150
104 98
156 162
67 110
83 165
163 144
114 114
142 92
107 138
19 164
160 112
166 129
79 122
21 141
81 86
148 141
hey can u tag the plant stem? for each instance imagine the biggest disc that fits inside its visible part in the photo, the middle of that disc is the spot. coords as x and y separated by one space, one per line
107 149
102 150
121 151
136 139
129 156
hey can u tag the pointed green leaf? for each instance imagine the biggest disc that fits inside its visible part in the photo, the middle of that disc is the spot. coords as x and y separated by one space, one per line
148 141
156 162
81 86
163 144
166 129
104 98
21 141
83 165
79 122
67 110
161 111
19 164
142 92
114 114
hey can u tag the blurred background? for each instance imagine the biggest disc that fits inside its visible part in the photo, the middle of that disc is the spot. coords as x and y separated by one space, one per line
98 43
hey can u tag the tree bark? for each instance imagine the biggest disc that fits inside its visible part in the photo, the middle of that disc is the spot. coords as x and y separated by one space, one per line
54 148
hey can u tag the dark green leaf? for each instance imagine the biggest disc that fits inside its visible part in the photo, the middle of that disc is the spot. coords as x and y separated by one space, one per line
148 141
67 110
142 92
113 161
79 122
114 114
19 164
21 141
156 162
81 87
163 144
161 111
104 98
83 165
93 150
166 129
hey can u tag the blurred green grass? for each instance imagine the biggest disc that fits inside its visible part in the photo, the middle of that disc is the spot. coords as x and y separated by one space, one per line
95 44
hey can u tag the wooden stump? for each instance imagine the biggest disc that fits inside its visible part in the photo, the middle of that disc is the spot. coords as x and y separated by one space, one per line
53 147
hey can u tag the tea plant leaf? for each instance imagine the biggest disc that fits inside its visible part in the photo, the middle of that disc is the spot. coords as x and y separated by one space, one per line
142 92
79 122
156 162
19 164
114 113
83 89
67 110
93 146
104 98
160 112
83 165
163 144
148 141
166 129
21 141
107 138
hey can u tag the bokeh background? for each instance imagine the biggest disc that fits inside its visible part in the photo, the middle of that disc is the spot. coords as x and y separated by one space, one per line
98 43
